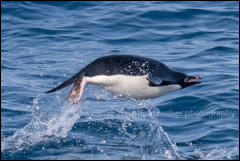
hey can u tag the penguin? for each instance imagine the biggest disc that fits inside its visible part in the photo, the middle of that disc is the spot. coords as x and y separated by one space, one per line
128 76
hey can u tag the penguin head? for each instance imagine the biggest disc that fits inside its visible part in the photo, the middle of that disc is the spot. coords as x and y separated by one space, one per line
189 81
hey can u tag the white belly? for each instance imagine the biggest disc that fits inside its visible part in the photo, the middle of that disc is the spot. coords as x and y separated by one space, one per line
130 86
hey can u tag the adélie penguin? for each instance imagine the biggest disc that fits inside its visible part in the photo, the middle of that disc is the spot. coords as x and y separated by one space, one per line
128 76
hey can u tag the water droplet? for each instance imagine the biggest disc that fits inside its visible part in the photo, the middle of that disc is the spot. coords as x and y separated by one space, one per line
103 142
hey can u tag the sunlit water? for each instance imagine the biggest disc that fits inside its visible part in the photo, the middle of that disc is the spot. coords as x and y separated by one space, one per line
44 44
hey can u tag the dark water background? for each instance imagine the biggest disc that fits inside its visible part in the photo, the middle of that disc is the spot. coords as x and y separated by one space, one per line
45 43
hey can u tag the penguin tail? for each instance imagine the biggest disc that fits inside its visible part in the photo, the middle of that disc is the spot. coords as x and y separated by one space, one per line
70 81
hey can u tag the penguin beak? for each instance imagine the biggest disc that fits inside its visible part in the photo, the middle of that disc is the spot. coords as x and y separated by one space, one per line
193 80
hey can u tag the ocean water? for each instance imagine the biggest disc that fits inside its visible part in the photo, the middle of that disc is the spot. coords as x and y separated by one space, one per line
45 43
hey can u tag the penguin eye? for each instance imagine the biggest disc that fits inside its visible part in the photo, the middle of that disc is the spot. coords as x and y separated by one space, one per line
186 80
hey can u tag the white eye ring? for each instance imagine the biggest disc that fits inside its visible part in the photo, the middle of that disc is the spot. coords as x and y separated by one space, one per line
186 80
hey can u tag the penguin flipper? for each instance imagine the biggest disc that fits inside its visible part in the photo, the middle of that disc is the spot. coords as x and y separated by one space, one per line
155 81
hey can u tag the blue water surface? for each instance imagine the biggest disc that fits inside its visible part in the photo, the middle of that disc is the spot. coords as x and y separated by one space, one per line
45 43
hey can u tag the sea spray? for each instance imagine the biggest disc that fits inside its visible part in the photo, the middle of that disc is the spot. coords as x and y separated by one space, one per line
144 128
43 126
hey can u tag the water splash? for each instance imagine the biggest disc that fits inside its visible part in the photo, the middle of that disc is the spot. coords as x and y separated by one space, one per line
218 153
42 127
152 140
161 141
